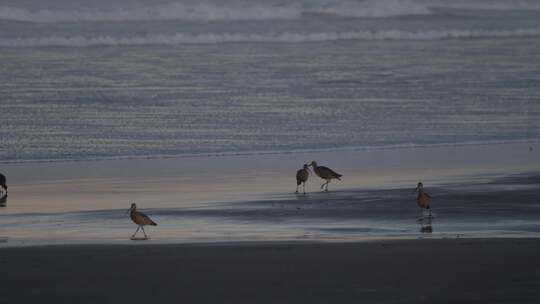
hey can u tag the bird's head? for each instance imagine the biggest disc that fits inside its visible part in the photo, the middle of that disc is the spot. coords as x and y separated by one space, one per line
132 208
306 167
419 187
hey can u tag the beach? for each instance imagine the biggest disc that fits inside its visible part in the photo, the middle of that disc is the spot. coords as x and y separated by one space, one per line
200 114
405 271
251 239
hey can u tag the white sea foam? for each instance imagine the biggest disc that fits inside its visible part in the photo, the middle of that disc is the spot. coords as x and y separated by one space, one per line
487 4
371 8
210 38
170 11
254 10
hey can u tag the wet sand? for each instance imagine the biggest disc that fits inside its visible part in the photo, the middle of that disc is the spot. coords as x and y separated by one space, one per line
478 191
487 206
404 271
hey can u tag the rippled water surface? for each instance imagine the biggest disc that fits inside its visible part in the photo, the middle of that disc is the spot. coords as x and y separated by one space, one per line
100 80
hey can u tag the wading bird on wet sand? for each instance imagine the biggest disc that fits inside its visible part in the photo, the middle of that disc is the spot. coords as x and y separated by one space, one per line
325 173
140 219
302 176
423 199
3 182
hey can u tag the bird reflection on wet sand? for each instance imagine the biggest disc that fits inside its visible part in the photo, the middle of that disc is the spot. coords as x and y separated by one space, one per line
426 225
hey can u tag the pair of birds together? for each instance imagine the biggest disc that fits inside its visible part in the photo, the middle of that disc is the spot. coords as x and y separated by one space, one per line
325 173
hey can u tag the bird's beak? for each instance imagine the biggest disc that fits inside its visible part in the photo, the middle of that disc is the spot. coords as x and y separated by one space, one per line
416 189
128 210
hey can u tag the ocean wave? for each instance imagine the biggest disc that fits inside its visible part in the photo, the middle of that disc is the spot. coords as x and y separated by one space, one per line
169 11
488 4
213 38
255 10
369 8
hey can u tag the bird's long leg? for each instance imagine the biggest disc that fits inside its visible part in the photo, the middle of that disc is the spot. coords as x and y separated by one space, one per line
138 227
296 189
326 186
322 186
145 236
304 186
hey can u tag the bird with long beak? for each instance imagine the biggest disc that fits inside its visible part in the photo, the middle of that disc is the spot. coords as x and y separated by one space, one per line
302 176
140 219
325 173
423 199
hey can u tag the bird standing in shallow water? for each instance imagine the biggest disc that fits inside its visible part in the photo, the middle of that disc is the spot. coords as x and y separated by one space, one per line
140 219
423 199
302 177
325 173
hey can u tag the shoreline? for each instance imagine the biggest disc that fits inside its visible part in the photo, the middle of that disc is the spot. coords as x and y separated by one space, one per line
190 181
411 271
534 141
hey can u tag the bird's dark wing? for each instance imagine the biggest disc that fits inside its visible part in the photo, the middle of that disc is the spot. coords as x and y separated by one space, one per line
147 220
429 196
334 173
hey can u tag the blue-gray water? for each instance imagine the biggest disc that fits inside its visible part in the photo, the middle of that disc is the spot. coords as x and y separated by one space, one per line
110 79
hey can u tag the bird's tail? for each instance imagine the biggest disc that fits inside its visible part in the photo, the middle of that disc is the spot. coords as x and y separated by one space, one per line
153 223
338 176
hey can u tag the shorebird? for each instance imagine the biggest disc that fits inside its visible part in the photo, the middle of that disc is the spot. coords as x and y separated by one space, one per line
140 219
325 173
423 199
3 182
301 177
